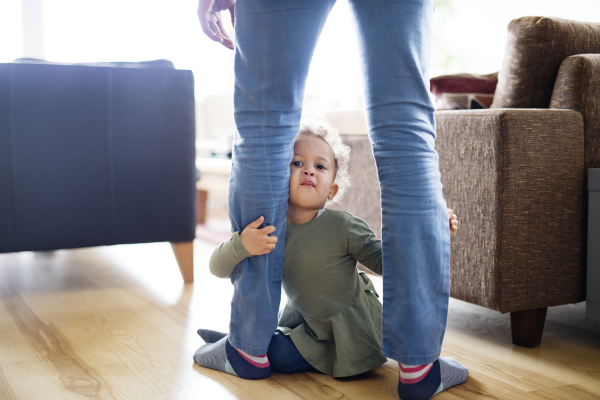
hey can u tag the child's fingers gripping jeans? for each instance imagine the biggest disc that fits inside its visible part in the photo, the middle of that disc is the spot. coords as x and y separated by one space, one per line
274 44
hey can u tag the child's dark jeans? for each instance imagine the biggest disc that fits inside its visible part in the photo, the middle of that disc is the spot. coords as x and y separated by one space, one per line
284 357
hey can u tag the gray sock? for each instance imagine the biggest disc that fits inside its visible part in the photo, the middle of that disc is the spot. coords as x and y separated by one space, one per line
212 355
210 336
452 373
222 356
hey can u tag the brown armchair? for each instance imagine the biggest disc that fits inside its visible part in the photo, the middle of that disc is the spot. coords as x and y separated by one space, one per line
516 175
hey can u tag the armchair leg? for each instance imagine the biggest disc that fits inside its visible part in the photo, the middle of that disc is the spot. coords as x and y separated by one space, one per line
527 326
184 253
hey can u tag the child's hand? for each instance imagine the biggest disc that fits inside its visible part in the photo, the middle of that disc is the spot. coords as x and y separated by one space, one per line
257 241
453 221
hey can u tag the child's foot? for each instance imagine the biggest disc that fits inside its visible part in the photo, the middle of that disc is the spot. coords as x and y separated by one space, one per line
211 336
224 357
419 382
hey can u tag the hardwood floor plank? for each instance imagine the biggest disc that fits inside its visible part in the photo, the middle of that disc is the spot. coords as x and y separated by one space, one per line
72 373
179 321
307 386
265 389
23 373
582 360
378 384
568 352
481 386
15 347
590 385
5 387
120 316
130 354
480 340
526 369
31 380
565 392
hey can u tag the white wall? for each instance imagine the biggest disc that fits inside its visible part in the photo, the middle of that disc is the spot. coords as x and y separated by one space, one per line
11 44
33 29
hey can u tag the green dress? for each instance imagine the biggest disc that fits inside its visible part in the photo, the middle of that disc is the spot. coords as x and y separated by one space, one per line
333 314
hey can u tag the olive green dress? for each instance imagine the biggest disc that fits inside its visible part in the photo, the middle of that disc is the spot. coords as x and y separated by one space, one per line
333 314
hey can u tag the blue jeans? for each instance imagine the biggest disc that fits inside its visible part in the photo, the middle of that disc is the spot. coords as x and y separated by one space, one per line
275 40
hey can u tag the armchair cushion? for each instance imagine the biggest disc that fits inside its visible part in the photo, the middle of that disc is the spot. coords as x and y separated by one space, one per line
535 49
514 179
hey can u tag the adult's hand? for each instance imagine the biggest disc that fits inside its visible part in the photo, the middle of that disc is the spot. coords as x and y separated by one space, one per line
209 14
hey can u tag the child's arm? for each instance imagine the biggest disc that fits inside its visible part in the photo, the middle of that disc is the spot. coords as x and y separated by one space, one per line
227 256
363 245
251 242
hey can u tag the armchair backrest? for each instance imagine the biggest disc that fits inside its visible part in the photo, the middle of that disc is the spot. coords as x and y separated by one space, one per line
535 49
577 88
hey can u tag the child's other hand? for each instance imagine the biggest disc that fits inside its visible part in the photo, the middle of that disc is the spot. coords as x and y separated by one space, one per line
453 221
257 241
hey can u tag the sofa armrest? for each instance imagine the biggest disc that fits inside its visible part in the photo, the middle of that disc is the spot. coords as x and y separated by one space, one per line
514 178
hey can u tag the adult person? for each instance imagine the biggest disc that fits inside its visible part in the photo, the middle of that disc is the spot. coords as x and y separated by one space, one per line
274 44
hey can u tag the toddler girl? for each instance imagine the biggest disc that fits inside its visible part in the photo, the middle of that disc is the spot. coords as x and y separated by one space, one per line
332 320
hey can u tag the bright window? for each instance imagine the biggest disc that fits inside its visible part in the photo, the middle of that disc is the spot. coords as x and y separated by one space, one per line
470 36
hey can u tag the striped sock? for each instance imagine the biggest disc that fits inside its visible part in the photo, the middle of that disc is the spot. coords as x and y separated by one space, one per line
222 356
413 373
419 382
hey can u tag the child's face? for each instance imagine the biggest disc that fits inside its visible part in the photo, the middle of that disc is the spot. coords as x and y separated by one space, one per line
312 173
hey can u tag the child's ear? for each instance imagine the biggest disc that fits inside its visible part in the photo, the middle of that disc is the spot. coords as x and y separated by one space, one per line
333 191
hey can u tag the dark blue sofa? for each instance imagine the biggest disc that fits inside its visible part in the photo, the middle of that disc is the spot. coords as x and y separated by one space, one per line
97 155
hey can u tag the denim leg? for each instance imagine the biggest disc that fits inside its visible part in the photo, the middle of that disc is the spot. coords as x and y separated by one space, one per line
275 41
395 41
284 357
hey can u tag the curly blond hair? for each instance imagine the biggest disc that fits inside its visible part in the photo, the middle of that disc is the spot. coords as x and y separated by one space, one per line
322 128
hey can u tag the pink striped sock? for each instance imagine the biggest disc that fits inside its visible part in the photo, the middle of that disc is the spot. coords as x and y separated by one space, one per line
413 373
257 361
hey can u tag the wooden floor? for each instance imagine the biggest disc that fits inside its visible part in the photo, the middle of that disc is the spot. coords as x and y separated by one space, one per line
117 323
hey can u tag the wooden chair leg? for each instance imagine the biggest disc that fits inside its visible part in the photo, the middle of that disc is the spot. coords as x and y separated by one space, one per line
527 326
202 197
184 253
